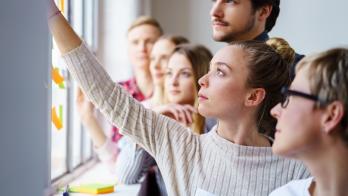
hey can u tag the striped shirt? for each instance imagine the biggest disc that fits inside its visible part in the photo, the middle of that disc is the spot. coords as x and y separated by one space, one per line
190 164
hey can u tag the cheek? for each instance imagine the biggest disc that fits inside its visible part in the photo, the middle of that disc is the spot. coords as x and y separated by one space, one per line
297 133
166 83
187 86
149 48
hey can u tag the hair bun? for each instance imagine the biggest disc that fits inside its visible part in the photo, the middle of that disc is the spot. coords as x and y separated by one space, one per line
283 48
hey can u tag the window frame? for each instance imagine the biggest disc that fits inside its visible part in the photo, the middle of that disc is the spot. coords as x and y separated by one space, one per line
73 171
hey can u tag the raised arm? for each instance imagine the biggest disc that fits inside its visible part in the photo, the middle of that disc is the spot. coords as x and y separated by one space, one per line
162 137
65 37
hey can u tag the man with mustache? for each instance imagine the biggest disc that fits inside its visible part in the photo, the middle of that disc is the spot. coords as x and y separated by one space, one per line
236 20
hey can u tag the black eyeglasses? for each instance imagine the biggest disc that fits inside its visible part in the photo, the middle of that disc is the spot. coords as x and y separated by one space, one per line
286 92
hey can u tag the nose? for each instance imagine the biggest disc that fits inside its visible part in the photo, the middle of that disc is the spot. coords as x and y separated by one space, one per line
216 10
142 46
174 80
276 111
203 81
155 63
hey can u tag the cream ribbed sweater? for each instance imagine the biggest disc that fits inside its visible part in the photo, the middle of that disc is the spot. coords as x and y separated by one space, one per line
190 164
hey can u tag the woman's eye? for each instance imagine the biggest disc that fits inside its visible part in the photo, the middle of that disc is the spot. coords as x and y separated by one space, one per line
186 74
168 73
135 42
219 72
229 1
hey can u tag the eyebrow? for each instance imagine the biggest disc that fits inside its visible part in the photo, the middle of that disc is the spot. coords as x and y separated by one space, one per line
182 69
221 64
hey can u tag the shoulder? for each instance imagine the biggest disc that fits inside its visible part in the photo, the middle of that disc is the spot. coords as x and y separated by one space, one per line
294 188
147 103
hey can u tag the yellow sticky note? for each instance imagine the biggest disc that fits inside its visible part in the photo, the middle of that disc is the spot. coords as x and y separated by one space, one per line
93 188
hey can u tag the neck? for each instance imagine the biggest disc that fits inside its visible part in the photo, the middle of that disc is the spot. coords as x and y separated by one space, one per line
144 82
244 132
157 96
329 167
251 35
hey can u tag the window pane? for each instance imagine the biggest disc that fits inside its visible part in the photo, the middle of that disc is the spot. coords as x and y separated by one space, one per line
59 114
76 132
87 146
59 117
88 19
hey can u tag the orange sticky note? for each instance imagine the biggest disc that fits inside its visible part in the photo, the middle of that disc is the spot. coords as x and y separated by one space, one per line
56 76
56 120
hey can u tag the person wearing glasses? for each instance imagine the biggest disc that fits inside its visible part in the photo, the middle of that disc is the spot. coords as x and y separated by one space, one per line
313 124
235 157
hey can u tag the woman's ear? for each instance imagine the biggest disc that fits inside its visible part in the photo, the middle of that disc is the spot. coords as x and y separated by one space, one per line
255 97
333 114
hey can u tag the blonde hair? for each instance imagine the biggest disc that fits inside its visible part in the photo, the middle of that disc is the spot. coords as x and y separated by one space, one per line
328 79
145 20
282 47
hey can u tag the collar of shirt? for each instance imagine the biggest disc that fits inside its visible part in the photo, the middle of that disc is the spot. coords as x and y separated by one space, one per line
132 87
262 37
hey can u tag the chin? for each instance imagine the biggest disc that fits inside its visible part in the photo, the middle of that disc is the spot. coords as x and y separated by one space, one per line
282 150
142 65
204 112
217 38
221 37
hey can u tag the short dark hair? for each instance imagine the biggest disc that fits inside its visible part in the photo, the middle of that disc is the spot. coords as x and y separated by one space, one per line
272 19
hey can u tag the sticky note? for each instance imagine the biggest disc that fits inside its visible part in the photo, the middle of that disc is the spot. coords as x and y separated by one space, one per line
57 121
56 77
94 188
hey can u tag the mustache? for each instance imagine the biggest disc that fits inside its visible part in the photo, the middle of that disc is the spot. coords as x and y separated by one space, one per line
218 21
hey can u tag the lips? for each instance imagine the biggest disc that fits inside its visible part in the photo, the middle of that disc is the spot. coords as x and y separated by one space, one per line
201 97
174 92
159 75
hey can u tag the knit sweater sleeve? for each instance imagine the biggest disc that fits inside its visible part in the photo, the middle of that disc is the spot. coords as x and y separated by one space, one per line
156 133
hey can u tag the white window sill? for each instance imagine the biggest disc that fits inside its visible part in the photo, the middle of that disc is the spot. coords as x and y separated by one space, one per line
100 174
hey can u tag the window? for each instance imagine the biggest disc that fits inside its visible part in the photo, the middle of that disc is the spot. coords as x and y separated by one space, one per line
71 147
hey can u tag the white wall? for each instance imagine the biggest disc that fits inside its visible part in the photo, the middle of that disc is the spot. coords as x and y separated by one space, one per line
24 98
309 25
115 18
313 25
189 18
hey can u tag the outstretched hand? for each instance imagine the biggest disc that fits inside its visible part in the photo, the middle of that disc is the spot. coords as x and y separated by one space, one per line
181 113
